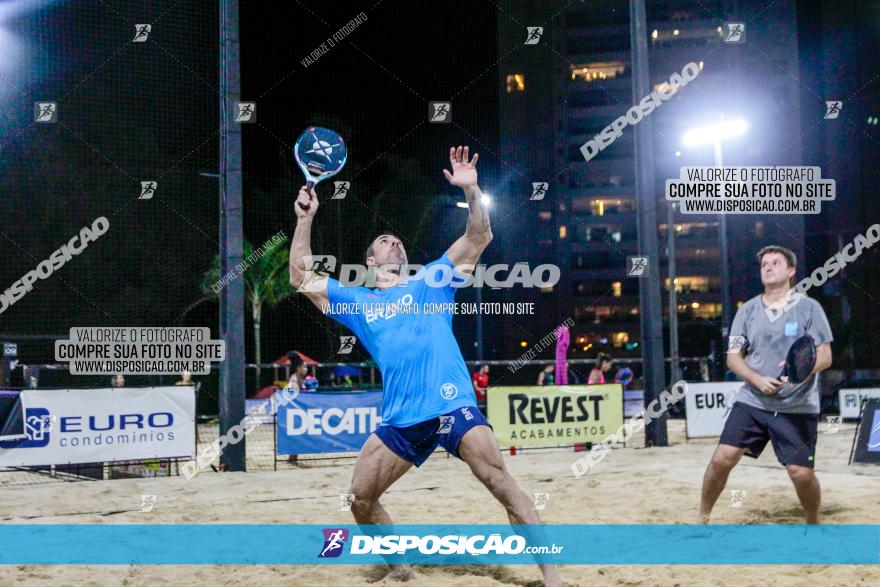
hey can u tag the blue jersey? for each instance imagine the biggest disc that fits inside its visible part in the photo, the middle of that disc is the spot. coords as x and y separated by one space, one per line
411 340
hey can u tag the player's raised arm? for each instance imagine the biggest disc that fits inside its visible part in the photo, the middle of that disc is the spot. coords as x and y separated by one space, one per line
303 277
478 234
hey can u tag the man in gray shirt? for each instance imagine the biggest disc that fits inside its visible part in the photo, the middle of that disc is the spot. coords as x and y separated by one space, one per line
768 407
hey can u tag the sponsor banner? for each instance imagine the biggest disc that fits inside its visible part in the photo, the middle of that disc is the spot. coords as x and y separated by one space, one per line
261 410
317 422
867 449
68 426
707 406
440 544
554 415
851 400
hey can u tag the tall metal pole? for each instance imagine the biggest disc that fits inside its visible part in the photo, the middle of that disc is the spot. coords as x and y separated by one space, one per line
479 324
674 368
725 260
232 380
646 224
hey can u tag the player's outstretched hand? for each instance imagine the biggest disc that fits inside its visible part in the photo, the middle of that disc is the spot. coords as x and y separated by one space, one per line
464 170
306 203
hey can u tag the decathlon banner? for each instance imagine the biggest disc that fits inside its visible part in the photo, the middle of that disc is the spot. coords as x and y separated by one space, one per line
707 406
851 401
67 426
318 422
555 415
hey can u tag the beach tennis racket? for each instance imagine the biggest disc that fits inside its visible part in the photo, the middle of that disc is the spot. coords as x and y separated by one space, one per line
320 153
800 361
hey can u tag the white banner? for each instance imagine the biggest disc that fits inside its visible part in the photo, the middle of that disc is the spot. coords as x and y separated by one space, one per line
69 426
851 400
708 405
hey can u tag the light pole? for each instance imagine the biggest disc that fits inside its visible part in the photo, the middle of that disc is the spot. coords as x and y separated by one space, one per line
675 371
716 134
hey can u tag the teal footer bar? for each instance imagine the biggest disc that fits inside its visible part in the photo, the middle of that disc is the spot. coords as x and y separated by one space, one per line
572 544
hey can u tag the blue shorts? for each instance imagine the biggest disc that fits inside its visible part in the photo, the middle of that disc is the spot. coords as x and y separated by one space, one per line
793 435
416 443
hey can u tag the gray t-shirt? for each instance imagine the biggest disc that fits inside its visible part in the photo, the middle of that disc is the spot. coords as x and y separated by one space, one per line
766 345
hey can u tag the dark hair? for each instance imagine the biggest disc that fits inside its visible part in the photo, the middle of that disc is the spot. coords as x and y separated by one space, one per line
369 252
603 358
790 257
295 359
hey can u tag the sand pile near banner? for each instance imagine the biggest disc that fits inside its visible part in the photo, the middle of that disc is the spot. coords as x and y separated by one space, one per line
629 486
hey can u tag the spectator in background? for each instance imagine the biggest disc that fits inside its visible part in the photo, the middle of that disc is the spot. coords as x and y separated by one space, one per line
298 374
480 379
547 376
118 381
597 375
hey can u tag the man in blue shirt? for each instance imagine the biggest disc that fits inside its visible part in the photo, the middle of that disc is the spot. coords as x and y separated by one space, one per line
428 397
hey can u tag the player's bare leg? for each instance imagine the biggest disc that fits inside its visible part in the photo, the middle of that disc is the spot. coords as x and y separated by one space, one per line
376 469
807 486
723 461
480 451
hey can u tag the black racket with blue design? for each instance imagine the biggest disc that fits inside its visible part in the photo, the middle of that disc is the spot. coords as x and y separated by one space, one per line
800 361
320 153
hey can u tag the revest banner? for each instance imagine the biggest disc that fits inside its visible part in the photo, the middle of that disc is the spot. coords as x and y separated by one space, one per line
70 426
318 422
554 415
707 406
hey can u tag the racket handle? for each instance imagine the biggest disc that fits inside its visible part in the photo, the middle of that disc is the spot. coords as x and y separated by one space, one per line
309 185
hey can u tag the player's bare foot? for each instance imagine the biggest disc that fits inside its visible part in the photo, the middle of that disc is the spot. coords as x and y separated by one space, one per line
551 577
702 518
400 574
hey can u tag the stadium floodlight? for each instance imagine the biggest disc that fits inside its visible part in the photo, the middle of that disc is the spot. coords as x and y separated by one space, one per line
714 133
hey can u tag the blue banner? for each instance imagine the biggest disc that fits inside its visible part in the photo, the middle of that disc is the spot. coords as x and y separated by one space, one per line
471 544
318 422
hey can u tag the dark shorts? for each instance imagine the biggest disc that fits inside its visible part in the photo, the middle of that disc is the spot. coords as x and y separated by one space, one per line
793 435
416 443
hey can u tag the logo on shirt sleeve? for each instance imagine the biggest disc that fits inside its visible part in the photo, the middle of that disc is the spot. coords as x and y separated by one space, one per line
735 343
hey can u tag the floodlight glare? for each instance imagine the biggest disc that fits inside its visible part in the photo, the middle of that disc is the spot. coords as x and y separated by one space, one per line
713 133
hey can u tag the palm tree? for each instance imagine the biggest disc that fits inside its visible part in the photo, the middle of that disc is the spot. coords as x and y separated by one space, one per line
265 282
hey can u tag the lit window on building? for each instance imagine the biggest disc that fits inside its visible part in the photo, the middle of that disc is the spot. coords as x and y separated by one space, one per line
759 229
692 230
516 82
697 284
563 231
602 205
545 215
705 311
618 339
599 70
603 311
616 288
